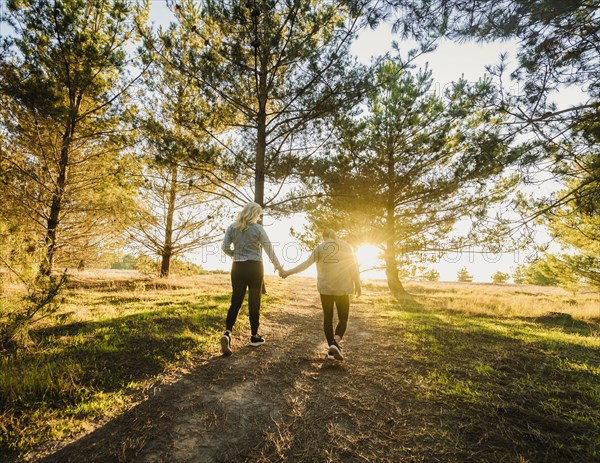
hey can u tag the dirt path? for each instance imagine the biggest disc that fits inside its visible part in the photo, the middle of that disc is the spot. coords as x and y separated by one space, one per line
280 402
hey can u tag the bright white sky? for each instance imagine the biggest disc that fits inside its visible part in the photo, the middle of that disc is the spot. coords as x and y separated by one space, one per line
448 63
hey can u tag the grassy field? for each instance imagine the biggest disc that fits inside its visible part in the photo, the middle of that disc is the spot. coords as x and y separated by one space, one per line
518 366
115 335
522 361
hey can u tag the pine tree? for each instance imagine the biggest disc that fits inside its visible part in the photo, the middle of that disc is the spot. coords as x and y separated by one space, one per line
518 275
540 272
463 276
431 275
281 67
181 166
500 277
403 173
558 49
61 84
175 218
577 229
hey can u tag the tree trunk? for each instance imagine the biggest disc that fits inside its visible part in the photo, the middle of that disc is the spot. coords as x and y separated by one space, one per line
167 253
259 179
261 138
57 201
391 271
391 265
259 175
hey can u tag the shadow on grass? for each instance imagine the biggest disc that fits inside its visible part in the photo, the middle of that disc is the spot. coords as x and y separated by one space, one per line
74 363
223 407
567 323
506 391
133 347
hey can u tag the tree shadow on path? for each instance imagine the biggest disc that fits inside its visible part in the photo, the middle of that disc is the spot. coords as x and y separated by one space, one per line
223 405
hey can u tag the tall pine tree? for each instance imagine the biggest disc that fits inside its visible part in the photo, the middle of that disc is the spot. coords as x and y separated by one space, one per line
405 171
282 67
182 164
557 51
62 91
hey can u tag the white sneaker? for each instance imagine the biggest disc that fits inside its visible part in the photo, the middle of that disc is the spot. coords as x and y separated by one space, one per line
336 351
226 344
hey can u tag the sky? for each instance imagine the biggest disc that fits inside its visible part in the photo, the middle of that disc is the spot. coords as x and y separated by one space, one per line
449 62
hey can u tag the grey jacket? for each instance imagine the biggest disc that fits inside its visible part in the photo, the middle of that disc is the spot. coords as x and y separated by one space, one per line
248 244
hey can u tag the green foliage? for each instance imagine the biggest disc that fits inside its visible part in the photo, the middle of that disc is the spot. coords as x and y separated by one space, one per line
186 268
463 276
19 248
183 164
557 270
62 75
281 67
518 275
562 268
32 296
500 277
576 226
177 215
415 162
431 275
127 263
556 48
40 301
556 51
152 266
541 273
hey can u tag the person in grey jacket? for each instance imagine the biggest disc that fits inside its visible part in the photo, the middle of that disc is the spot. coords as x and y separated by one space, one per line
337 278
244 241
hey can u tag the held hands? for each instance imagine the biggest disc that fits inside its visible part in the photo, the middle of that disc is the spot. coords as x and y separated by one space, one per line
283 273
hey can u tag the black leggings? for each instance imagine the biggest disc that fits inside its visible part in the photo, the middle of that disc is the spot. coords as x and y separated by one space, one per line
245 274
342 303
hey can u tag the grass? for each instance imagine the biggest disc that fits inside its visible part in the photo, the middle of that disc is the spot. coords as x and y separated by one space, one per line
515 369
491 373
114 336
507 300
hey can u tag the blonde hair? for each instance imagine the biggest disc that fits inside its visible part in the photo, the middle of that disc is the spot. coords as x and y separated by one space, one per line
329 234
247 216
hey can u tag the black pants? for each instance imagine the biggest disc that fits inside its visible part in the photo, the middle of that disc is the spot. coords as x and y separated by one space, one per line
246 274
342 304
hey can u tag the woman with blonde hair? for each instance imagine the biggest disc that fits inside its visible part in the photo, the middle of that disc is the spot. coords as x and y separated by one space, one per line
337 278
248 239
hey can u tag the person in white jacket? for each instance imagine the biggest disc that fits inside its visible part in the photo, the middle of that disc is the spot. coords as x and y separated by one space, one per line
337 278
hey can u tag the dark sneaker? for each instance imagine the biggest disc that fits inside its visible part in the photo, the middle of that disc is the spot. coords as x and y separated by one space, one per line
226 344
330 356
336 351
256 341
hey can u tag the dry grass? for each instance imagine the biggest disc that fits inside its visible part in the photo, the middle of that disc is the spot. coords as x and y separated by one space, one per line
114 335
502 300
469 373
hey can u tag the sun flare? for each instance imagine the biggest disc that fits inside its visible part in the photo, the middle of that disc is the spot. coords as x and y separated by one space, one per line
367 256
